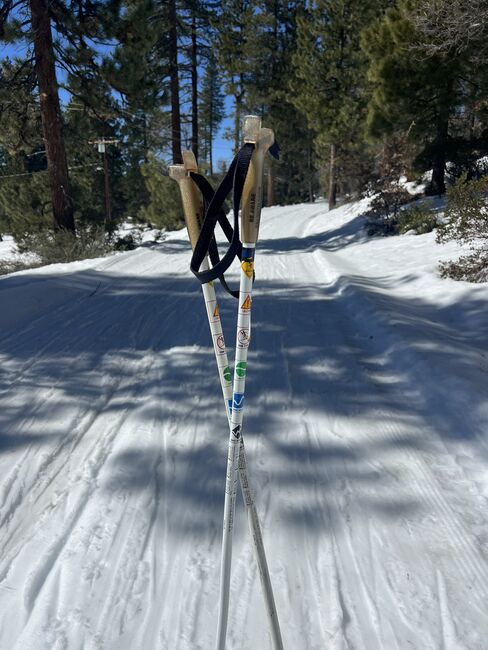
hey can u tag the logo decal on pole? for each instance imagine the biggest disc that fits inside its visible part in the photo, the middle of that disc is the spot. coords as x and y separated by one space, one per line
220 342
236 432
227 374
238 401
243 337
241 368
248 267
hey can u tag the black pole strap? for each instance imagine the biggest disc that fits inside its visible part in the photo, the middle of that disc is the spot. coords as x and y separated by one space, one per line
208 192
235 178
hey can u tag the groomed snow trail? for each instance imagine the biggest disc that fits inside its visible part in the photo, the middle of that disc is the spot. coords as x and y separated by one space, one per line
365 429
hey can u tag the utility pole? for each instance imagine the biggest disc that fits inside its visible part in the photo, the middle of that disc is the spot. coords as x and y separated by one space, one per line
102 148
108 207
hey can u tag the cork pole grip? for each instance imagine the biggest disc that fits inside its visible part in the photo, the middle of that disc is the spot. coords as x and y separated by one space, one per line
190 196
252 194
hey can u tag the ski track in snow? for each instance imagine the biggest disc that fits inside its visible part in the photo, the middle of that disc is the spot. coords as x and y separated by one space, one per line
365 429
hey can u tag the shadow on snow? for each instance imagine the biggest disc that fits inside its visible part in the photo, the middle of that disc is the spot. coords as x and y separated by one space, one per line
331 368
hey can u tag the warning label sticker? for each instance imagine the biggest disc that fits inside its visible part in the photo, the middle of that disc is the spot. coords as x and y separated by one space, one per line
246 305
213 311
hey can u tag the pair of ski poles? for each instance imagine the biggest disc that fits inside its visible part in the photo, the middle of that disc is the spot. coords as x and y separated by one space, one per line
260 140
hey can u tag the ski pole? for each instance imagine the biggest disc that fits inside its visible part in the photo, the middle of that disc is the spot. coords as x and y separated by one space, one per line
193 211
262 139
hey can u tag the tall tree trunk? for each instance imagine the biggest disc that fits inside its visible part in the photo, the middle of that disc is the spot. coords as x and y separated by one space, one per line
311 196
210 147
438 183
332 178
194 88
237 121
270 185
205 149
238 96
174 85
144 137
52 125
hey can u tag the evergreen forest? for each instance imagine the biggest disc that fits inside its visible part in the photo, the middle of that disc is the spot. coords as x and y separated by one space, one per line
98 97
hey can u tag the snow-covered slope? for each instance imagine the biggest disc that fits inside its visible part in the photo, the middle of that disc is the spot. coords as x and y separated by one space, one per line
365 427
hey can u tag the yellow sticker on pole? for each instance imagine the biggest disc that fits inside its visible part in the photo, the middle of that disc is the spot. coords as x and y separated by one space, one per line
246 305
248 267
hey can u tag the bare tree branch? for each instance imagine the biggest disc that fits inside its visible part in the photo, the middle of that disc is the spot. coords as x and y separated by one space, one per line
452 26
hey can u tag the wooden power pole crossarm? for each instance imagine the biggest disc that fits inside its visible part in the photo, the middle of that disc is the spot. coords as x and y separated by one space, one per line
52 125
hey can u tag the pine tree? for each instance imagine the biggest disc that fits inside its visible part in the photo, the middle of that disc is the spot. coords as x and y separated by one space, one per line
75 23
211 108
98 176
466 221
196 36
24 187
194 82
164 207
25 204
20 120
272 44
414 93
235 27
159 45
138 69
174 82
329 84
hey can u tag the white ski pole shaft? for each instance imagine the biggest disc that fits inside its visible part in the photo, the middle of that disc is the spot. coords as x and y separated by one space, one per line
247 492
252 199
193 211
242 344
250 214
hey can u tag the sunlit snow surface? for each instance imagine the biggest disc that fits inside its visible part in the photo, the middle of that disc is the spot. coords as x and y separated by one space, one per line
366 431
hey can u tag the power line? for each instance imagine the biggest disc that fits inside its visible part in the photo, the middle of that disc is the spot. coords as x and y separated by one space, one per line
43 171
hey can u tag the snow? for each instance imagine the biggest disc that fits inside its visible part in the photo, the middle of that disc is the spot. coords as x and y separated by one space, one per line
412 187
144 234
365 430
8 249
9 252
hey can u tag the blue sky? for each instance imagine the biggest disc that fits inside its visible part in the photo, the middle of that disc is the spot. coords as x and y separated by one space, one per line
223 148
